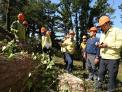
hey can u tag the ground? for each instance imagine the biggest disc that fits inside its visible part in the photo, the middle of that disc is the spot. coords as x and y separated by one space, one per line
13 75
89 86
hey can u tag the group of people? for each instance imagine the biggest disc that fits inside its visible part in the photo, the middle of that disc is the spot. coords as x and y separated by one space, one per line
19 29
98 55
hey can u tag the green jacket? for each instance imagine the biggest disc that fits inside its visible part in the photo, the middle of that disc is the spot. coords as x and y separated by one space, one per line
19 30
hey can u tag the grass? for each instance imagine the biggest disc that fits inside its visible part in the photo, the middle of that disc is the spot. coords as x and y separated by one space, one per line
77 71
120 72
78 67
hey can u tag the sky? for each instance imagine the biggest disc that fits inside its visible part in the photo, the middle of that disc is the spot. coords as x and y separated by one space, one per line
117 13
114 3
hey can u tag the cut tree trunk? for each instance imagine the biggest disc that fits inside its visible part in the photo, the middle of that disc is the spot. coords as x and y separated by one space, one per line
14 73
70 83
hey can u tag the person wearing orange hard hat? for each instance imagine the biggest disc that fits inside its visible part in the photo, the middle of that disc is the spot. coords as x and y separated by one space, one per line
92 54
70 49
82 47
18 29
46 41
110 46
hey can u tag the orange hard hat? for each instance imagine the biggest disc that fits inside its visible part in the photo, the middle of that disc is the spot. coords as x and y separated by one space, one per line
71 33
48 33
103 20
43 29
93 29
21 16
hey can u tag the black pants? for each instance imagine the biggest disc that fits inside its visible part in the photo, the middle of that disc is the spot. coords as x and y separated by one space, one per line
65 61
112 67
83 63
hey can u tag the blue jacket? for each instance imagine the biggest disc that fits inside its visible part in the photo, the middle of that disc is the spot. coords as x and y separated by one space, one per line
91 47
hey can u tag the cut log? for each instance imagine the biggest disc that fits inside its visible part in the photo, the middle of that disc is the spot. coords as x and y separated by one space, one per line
70 83
14 73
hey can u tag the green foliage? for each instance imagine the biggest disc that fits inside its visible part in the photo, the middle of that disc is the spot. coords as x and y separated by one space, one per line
76 5
43 77
89 13
65 12
43 81
35 10
29 83
120 7
43 59
9 48
102 7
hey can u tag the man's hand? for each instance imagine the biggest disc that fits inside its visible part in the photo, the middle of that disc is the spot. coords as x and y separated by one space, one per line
103 45
96 61
60 43
85 55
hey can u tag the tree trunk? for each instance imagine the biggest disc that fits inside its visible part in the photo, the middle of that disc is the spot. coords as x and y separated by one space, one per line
77 38
8 17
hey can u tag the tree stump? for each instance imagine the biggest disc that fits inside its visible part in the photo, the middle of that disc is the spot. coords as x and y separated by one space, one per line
70 83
